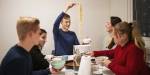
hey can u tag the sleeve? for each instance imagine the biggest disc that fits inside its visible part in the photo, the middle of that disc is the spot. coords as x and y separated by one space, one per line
41 72
19 66
1 70
38 58
76 42
16 67
40 61
133 63
109 53
57 23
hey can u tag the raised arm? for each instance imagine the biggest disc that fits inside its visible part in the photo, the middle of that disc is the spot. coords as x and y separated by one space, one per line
69 5
60 17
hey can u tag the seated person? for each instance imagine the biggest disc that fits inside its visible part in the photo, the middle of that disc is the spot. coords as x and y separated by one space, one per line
64 39
18 60
127 58
109 42
38 59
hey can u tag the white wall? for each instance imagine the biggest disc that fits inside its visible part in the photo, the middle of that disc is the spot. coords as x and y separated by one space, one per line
95 14
122 8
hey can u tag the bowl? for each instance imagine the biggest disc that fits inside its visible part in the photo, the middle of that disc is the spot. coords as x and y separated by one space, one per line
58 64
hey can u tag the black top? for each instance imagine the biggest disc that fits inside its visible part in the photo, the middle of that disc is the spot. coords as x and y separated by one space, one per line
38 61
19 62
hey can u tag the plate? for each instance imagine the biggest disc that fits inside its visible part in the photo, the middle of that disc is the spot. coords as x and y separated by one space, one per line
97 72
102 58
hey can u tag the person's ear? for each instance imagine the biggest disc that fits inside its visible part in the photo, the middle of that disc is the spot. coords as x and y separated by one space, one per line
30 33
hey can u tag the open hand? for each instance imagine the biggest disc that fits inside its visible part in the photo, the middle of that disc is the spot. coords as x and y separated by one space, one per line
70 5
91 53
106 62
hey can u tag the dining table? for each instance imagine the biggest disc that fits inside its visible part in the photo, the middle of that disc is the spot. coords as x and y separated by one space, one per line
96 69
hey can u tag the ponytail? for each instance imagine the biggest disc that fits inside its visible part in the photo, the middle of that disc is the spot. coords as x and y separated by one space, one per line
137 37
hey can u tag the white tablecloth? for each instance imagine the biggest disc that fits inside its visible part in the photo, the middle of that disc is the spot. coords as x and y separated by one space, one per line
96 70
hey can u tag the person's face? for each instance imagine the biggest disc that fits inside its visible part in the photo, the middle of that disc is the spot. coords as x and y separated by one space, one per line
108 27
65 24
120 39
35 37
43 38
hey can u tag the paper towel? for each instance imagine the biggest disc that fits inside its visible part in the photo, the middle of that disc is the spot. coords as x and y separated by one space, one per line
85 66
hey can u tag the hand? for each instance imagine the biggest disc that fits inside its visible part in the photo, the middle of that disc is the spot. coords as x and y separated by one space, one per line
54 71
106 62
70 5
91 53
